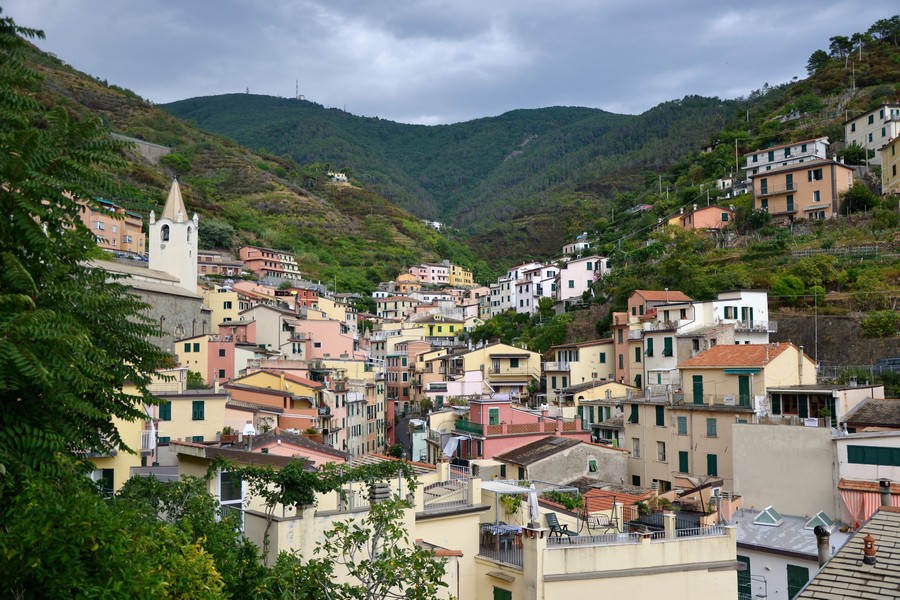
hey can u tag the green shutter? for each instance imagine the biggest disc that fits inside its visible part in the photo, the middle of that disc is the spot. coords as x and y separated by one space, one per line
494 416
711 428
633 418
796 579
603 358
501 594
667 346
682 425
660 416
776 404
187 347
683 462
198 410
744 590
698 388
197 347
165 411
744 390
649 346
712 465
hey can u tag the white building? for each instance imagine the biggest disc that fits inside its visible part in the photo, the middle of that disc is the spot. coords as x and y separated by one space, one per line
576 277
767 159
874 129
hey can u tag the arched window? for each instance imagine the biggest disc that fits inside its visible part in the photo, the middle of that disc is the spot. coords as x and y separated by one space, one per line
189 233
164 234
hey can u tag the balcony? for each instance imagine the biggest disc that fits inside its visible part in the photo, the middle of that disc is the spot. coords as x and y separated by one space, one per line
756 326
469 427
634 335
719 401
510 372
556 366
773 191
324 411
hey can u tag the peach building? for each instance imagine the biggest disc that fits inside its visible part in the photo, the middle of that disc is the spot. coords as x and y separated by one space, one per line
114 227
809 190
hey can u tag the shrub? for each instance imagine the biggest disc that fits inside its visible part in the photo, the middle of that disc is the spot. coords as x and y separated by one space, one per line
881 323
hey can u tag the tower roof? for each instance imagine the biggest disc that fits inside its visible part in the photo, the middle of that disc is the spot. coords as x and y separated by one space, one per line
174 204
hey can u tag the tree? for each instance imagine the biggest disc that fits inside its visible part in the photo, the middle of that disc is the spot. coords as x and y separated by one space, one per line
374 551
881 323
70 335
216 234
788 288
854 154
858 198
840 46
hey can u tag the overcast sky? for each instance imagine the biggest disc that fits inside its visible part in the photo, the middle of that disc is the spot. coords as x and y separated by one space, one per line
443 61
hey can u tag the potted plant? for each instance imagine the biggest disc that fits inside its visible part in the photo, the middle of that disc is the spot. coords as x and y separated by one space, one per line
228 435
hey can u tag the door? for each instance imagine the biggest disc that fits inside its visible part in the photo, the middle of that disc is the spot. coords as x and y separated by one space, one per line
796 579
744 390
698 389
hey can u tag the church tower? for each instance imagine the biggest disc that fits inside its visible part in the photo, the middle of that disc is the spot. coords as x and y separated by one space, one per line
173 241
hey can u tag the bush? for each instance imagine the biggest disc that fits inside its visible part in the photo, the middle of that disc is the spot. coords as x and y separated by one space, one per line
788 288
881 323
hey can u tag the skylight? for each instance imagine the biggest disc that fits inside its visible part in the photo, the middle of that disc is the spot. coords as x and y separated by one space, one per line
820 518
768 517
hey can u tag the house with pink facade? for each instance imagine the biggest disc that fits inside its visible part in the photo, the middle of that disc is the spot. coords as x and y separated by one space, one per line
431 273
493 426
707 218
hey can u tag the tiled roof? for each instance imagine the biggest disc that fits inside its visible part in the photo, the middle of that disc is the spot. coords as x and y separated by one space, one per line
884 412
737 355
596 500
847 576
295 439
537 450
663 295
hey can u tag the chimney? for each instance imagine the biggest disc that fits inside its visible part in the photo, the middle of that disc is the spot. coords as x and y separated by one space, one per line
800 366
822 544
869 549
884 486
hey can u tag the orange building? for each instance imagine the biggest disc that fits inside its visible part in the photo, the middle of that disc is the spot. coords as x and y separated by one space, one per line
809 190
114 227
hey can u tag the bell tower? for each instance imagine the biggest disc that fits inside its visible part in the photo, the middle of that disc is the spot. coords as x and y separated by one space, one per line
173 241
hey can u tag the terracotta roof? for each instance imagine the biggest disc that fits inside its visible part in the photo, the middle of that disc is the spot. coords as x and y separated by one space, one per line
737 355
537 450
884 412
295 439
663 295
845 575
596 500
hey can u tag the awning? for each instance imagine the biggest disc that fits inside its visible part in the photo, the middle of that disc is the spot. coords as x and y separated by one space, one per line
502 487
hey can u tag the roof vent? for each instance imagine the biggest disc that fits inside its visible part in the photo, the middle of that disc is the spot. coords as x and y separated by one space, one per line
869 549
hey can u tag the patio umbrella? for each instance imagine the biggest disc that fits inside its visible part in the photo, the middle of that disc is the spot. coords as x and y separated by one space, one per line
534 512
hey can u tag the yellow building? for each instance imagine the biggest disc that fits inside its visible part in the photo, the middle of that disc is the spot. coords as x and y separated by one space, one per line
225 305
407 283
460 277
890 172
506 369
575 364
193 353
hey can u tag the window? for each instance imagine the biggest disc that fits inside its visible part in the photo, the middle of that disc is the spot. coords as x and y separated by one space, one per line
683 462
635 447
514 363
227 305
592 465
682 425
744 589
99 225
637 355
198 410
197 439
697 381
667 346
660 416
165 411
724 217
711 428
852 126
649 351
764 204
621 361
771 155
590 265
873 455
797 577
871 119
883 132
164 233
787 152
661 451
817 196
501 594
790 202
221 352
803 148
870 137
634 416
603 358
553 382
712 465
197 347
620 335
221 373
814 175
187 347
571 283
636 480
755 158
494 416
164 440
763 186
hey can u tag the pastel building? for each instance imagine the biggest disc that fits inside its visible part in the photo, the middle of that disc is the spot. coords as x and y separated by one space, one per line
809 190
267 262
873 129
890 173
114 227
768 159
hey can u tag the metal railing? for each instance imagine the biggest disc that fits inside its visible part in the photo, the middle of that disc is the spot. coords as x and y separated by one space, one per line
446 495
610 539
556 366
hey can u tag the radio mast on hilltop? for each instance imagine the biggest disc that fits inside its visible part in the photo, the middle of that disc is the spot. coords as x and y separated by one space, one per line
297 95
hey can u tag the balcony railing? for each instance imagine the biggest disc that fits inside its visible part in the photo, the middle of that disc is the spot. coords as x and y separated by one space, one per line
446 495
324 411
771 191
757 326
470 427
556 366
508 371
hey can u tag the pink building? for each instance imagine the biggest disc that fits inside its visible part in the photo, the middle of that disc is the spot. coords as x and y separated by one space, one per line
707 218
431 273
326 338
494 426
